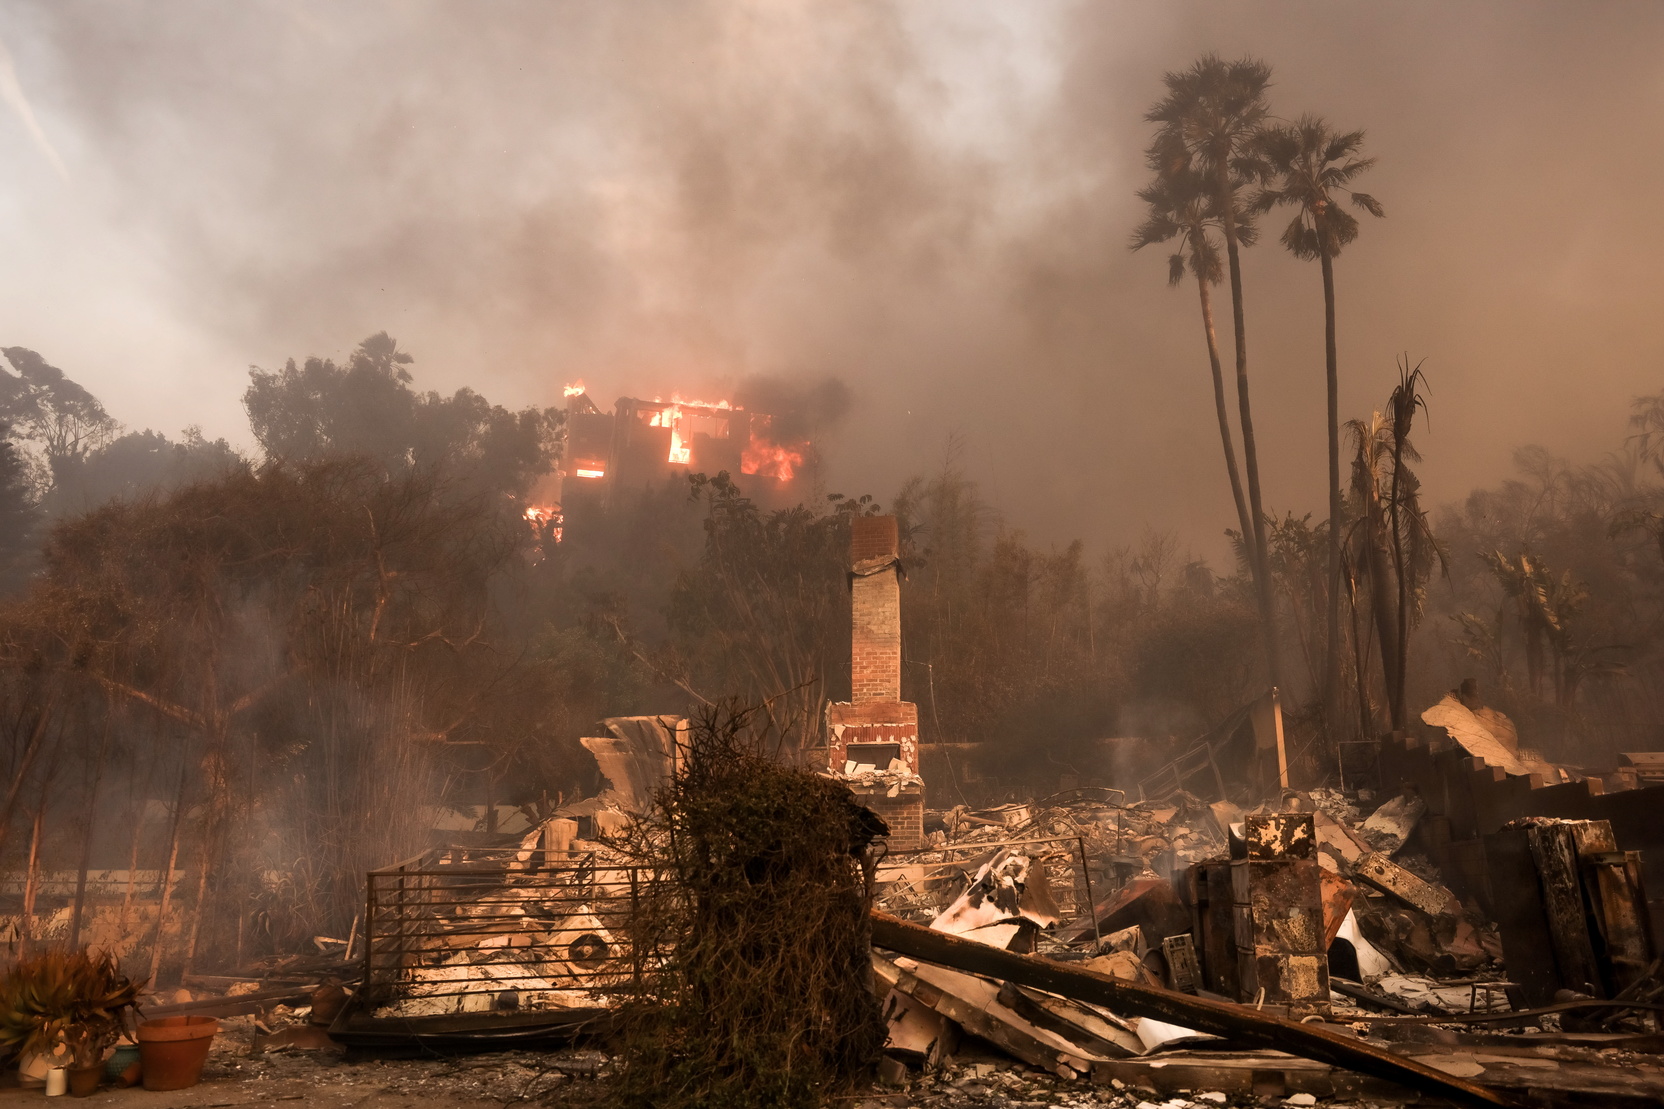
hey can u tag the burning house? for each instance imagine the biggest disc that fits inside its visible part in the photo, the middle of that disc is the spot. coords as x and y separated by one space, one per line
643 442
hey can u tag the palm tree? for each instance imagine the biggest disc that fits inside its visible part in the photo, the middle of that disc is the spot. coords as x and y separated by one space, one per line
1181 209
1308 165
1394 543
1211 115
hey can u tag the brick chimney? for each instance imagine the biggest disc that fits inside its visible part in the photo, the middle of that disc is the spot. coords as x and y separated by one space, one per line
875 728
875 597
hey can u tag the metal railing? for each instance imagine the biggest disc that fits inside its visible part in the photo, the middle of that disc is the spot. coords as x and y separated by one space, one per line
462 930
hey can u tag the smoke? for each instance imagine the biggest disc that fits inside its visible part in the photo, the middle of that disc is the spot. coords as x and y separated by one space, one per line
927 200
798 410
11 91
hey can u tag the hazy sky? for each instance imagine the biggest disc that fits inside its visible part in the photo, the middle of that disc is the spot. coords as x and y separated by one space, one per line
929 200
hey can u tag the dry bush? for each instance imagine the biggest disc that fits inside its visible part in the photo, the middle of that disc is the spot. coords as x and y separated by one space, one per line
755 940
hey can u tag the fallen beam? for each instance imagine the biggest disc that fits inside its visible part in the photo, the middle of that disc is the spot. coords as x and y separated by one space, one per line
240 1005
1219 1018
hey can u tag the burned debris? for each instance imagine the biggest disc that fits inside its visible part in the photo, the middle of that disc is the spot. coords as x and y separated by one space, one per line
1472 933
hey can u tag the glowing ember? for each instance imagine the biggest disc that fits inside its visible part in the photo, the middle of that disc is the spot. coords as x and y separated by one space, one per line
573 390
585 471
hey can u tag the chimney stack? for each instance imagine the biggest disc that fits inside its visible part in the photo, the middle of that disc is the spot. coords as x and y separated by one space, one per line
872 740
875 595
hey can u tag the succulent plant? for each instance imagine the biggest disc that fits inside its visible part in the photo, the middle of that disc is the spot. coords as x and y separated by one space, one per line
77 998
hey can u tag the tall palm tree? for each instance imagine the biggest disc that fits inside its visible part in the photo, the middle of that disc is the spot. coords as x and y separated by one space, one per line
1181 212
1212 113
1309 166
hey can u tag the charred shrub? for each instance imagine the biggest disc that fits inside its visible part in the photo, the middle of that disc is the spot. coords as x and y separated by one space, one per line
754 942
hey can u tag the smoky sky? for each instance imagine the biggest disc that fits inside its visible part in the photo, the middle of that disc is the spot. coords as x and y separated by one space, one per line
925 200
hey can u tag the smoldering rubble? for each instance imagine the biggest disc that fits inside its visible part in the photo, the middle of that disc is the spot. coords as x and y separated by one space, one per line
1479 932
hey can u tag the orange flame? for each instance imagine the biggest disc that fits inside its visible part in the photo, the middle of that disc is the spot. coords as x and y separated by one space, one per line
672 415
546 519
573 390
764 457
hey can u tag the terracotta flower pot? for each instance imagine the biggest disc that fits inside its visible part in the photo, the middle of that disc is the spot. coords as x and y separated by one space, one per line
83 1081
173 1049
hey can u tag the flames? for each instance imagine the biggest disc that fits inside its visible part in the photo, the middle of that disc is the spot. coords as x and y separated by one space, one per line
546 520
766 458
721 432
680 453
679 416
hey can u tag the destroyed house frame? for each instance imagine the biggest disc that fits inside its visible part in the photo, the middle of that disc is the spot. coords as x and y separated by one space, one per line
472 944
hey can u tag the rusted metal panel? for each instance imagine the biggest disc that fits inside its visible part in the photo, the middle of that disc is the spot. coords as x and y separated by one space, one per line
1390 878
1280 933
1284 835
1218 945
1183 973
1621 932
1554 850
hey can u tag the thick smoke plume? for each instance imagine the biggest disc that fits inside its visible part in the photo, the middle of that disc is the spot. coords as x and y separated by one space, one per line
928 201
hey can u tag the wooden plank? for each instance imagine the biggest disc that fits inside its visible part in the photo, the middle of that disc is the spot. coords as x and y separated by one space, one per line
1238 1022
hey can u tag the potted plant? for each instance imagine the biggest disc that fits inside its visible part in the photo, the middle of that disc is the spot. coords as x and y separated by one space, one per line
67 1002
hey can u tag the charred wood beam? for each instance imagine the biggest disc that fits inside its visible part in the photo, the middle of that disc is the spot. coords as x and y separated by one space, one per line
1238 1022
240 1005
1370 997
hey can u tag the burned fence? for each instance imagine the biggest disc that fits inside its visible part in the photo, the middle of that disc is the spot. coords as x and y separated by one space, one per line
494 941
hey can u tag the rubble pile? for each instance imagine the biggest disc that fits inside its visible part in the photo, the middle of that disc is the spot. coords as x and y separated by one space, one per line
1317 907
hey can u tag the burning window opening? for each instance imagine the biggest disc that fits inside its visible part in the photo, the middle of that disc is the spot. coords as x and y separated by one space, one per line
644 441
767 458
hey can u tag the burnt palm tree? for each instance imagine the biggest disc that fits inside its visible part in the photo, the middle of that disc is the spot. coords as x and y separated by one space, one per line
1394 544
1181 213
1310 167
1211 115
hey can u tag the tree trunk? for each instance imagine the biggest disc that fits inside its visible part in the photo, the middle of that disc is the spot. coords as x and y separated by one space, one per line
1380 603
167 880
1403 641
90 821
1250 454
36 736
1331 669
1360 671
1243 519
31 881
